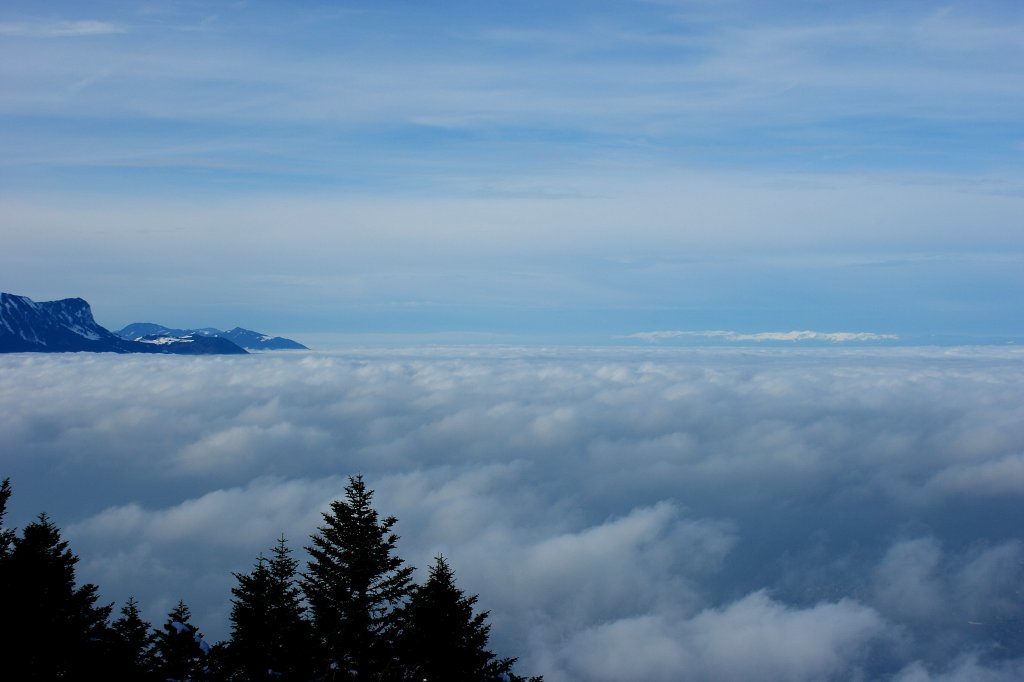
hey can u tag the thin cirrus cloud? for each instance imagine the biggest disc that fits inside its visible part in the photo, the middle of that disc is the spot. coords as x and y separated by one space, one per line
477 159
59 29
662 81
844 512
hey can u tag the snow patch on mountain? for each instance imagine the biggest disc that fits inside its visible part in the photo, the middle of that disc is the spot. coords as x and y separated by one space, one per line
246 338
67 325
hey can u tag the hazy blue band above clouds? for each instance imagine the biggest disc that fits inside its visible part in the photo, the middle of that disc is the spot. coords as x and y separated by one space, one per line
803 335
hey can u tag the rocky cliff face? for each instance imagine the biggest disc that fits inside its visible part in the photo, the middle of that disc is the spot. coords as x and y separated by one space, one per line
67 325
51 326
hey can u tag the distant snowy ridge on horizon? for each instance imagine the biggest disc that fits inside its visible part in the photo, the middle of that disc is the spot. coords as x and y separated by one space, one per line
246 338
793 336
67 326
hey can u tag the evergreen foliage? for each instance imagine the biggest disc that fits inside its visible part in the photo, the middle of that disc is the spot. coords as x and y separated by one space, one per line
179 647
221 667
131 647
443 639
50 628
365 620
355 584
270 637
250 610
6 534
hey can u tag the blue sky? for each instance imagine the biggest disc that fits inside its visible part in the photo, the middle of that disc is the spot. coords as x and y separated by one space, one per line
575 170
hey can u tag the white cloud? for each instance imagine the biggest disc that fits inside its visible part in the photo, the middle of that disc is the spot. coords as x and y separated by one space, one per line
754 638
249 446
988 583
965 669
622 497
1000 476
60 29
240 518
905 582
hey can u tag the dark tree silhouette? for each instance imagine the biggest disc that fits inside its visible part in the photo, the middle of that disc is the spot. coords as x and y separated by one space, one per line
6 534
443 640
355 584
131 646
179 647
270 638
248 649
49 628
367 620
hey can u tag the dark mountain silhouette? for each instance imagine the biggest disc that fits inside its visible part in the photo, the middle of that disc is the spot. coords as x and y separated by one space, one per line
67 325
246 338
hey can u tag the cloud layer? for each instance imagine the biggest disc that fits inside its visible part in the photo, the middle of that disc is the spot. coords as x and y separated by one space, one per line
748 513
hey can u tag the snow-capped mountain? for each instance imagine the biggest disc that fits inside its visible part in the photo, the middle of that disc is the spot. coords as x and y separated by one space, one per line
246 338
139 329
188 344
55 326
67 325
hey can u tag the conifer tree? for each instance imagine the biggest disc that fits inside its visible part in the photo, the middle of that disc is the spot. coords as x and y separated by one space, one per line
180 649
50 628
250 623
270 638
354 584
132 653
6 534
443 640
220 667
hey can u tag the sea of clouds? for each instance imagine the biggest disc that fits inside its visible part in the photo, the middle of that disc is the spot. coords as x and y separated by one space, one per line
624 513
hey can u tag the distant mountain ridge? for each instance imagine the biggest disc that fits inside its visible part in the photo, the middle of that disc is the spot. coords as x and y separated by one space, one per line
67 325
246 338
52 326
